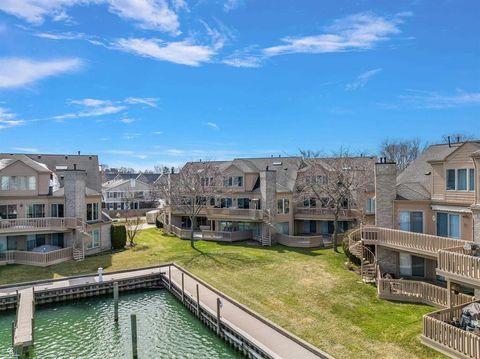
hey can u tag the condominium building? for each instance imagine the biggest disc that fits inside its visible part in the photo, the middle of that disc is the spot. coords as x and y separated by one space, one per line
253 195
50 208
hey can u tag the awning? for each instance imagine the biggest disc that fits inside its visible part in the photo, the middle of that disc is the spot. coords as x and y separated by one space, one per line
452 209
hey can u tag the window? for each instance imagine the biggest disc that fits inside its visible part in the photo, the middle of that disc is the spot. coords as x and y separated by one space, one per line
411 221
35 211
31 242
225 202
411 266
471 179
370 207
92 212
243 203
233 181
462 179
8 211
95 239
448 225
451 180
3 244
206 181
309 227
57 240
283 227
283 206
19 183
309 202
322 179
57 210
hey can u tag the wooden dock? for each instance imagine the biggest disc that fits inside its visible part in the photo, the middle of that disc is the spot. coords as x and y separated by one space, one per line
24 323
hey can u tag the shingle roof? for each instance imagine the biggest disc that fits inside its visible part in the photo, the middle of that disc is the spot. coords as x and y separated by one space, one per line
7 160
148 178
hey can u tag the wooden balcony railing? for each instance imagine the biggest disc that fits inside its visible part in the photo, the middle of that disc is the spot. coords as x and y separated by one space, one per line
440 335
300 241
24 225
323 212
212 235
459 264
418 292
426 244
235 213
36 258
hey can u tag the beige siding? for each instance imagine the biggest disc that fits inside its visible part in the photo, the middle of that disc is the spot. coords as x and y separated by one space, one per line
438 181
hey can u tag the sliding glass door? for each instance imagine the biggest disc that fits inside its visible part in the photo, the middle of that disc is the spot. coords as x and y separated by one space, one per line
448 225
411 221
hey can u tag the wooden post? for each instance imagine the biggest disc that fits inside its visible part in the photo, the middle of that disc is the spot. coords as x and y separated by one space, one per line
170 278
133 320
115 301
219 304
198 302
183 289
13 333
449 294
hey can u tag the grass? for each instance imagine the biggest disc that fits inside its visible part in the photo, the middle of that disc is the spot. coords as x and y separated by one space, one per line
308 292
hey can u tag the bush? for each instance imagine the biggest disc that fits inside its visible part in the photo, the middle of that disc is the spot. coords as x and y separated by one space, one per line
158 224
119 236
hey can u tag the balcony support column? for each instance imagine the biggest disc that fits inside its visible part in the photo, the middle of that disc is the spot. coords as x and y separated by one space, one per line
449 294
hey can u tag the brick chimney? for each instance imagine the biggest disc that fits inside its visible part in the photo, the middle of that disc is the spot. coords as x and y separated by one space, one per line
385 192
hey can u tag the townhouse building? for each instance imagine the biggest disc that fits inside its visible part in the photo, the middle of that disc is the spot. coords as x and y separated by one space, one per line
256 198
50 209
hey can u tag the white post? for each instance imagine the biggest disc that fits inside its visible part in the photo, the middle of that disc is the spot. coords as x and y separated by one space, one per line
100 274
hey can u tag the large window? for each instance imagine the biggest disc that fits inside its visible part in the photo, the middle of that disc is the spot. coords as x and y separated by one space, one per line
411 221
411 266
57 210
309 203
18 183
243 203
57 240
35 210
283 227
8 211
233 181
462 179
225 202
471 179
448 225
92 212
451 186
283 206
309 227
95 239
370 207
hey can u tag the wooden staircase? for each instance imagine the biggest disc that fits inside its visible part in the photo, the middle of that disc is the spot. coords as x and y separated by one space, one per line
267 239
369 267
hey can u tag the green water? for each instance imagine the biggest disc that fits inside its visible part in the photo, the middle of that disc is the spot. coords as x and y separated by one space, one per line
86 329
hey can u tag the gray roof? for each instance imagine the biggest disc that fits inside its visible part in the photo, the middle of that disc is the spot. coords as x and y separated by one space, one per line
5 162
89 163
414 183
148 178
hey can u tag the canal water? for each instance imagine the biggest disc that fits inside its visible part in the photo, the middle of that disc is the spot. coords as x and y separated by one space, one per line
86 329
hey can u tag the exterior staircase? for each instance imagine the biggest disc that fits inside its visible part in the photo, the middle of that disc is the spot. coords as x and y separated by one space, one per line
267 238
369 269
79 242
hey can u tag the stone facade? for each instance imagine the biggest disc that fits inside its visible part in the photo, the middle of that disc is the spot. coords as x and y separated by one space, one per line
74 184
268 190
385 193
387 260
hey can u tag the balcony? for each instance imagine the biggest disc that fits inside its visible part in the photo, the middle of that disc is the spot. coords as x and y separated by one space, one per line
238 214
36 225
35 258
416 243
323 213
305 241
212 235
460 265
440 335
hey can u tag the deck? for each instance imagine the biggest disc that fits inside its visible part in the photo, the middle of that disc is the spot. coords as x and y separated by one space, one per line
23 329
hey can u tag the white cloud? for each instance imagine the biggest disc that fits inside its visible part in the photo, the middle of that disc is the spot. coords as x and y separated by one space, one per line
181 52
92 112
127 120
131 136
213 125
355 32
230 5
362 80
157 132
91 102
119 152
18 72
61 36
148 14
8 119
149 101
26 149
175 152
435 100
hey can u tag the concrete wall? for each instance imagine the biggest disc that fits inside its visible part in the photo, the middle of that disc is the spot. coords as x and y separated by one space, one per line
385 182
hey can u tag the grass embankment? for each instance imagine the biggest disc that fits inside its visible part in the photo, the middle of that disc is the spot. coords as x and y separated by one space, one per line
308 292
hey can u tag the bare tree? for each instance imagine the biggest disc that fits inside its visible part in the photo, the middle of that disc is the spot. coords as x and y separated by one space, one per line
133 224
336 183
402 152
191 190
161 169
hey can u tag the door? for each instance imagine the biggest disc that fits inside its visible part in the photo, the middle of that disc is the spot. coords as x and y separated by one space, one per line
411 221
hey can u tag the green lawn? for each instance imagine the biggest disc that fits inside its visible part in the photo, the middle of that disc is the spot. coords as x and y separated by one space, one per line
308 292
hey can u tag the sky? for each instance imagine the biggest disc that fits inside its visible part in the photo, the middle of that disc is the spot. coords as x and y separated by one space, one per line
145 82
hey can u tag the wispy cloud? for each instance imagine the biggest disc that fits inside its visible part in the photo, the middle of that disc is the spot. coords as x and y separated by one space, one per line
435 100
181 52
127 120
352 33
157 132
230 5
362 80
147 14
213 125
19 72
248 57
131 136
8 119
149 101
91 102
26 149
91 112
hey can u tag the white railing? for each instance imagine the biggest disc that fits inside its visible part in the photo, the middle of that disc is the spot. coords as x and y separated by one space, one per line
237 213
36 224
324 212
225 236
299 241
36 258
418 242
458 262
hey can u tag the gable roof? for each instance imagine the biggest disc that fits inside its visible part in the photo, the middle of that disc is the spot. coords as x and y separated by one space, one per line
11 159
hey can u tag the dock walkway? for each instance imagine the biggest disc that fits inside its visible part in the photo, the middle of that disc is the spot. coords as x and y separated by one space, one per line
23 334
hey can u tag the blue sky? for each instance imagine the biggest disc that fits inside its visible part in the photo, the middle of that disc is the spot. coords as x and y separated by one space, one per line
143 82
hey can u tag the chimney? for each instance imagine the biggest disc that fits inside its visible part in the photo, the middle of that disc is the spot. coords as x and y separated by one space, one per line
79 153
173 170
449 143
385 192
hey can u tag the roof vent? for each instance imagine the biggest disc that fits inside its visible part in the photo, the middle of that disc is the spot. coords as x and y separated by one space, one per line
277 163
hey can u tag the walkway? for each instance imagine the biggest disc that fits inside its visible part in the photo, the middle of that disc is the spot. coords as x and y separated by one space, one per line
23 336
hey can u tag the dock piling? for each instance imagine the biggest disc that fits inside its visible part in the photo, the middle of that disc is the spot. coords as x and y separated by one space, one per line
170 278
198 302
219 305
133 320
183 288
115 301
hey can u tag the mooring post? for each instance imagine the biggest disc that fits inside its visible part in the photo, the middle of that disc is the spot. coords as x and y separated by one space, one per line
115 301
13 333
198 302
219 305
133 319
183 289
170 278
